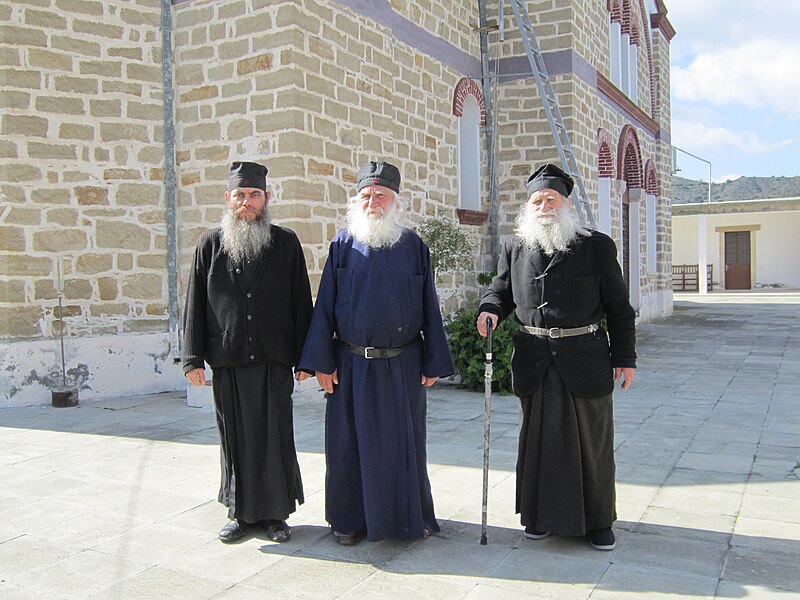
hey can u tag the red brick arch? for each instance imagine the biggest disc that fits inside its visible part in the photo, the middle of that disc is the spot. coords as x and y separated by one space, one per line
620 12
615 8
605 156
468 87
629 158
650 177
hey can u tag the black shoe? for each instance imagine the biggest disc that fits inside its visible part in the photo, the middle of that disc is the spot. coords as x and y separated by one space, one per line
277 530
602 539
349 538
233 530
535 534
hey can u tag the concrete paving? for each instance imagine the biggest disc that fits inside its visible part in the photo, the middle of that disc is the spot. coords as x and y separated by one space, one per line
116 498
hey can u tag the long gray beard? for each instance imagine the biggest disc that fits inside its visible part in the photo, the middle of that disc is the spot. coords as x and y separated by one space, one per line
549 236
244 240
376 232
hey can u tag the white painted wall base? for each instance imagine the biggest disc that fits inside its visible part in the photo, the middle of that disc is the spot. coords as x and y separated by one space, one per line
655 305
119 365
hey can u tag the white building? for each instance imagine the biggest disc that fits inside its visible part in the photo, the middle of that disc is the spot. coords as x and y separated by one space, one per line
749 244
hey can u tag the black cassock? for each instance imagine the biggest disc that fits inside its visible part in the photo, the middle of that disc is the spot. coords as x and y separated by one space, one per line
248 322
565 462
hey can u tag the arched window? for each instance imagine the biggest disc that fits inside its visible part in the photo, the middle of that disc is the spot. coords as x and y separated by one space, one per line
615 42
651 226
605 174
468 105
469 167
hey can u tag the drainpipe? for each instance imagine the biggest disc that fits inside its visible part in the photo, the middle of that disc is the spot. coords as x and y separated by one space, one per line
487 84
169 178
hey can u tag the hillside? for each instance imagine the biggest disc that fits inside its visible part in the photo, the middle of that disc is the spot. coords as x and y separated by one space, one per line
685 191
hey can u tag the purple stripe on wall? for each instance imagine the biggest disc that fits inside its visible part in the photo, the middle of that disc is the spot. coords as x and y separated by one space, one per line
661 135
560 62
416 37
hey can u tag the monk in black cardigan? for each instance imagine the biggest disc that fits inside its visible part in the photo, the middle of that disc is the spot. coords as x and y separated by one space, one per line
560 281
248 307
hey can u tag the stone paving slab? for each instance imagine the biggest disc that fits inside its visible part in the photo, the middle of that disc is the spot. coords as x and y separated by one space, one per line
116 498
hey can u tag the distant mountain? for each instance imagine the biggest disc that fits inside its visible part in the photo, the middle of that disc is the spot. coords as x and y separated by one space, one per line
686 191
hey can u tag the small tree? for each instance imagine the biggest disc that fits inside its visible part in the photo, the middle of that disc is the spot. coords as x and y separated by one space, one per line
452 248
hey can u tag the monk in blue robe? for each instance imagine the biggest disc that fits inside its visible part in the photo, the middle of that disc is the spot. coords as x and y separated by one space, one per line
375 343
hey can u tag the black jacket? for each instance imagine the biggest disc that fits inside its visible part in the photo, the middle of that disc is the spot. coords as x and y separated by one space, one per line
570 289
227 324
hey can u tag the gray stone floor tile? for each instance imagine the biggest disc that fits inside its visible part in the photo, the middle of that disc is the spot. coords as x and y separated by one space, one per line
331 578
161 584
632 582
79 575
705 499
392 586
755 566
703 557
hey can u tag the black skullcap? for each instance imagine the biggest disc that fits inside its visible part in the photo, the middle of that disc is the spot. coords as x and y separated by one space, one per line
379 173
247 175
552 177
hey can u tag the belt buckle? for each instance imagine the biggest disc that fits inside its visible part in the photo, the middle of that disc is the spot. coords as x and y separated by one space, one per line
554 332
367 352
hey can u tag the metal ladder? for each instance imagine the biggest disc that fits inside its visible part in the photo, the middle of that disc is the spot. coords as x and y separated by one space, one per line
557 127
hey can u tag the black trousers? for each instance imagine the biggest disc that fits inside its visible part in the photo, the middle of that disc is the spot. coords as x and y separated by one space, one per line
260 475
565 462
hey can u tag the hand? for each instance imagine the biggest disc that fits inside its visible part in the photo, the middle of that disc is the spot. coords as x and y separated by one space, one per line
326 381
196 376
428 381
482 322
627 374
301 375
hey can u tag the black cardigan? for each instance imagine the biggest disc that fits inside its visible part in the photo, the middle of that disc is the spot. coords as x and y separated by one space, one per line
578 287
226 324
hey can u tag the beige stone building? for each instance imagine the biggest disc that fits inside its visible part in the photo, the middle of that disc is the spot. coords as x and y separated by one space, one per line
106 181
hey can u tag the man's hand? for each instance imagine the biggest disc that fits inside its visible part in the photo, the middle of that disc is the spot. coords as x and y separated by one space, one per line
326 381
481 324
627 374
428 381
301 375
196 376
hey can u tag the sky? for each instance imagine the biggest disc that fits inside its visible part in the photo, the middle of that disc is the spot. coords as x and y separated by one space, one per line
735 87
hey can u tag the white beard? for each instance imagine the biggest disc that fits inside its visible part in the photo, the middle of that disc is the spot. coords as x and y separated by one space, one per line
548 235
242 239
376 230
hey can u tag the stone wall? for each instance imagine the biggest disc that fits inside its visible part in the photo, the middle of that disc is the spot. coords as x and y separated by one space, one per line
81 175
81 182
312 88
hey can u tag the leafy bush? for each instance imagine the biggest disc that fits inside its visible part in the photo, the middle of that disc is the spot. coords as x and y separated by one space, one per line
452 248
469 350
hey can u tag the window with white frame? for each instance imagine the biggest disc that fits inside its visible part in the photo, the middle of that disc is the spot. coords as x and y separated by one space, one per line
469 171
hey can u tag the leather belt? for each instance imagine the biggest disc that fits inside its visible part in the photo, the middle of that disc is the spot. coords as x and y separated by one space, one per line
371 352
560 332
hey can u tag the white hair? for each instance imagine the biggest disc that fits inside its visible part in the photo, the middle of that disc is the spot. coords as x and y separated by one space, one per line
548 235
242 239
379 229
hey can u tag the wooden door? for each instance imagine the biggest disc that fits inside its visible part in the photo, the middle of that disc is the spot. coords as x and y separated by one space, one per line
737 260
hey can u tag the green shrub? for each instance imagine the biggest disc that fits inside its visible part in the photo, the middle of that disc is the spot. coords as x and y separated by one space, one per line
469 350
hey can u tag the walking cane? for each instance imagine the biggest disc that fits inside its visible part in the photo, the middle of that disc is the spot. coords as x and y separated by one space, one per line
487 383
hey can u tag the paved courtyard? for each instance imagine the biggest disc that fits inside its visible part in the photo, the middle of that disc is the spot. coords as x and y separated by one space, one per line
116 498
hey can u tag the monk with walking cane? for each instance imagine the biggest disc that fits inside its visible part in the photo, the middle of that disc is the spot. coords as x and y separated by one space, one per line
559 281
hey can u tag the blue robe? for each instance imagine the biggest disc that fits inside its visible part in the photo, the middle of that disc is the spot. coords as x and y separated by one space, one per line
377 478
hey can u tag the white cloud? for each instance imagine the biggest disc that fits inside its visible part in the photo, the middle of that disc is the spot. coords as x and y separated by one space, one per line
757 74
699 136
